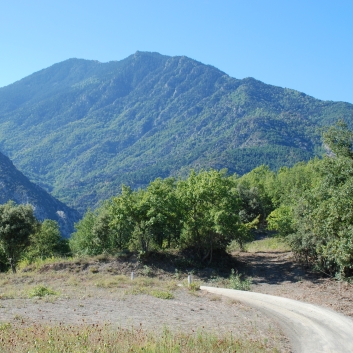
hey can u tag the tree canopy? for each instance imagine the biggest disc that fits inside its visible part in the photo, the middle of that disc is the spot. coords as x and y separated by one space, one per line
309 205
17 223
199 212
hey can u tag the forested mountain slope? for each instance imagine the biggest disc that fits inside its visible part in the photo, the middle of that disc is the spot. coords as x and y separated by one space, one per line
81 128
15 186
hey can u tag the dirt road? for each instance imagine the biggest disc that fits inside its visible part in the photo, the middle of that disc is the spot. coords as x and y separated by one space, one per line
277 273
310 328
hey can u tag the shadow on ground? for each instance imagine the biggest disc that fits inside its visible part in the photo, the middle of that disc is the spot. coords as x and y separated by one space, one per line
273 268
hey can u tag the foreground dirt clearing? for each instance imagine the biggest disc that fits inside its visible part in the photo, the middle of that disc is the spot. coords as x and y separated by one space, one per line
100 291
186 312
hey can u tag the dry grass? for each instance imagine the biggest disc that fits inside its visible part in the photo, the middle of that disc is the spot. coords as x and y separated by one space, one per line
267 245
43 282
270 244
80 285
105 338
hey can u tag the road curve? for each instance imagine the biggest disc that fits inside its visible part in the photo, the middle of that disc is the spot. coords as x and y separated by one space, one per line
310 328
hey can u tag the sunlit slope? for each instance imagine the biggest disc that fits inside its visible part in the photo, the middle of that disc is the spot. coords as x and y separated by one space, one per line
81 128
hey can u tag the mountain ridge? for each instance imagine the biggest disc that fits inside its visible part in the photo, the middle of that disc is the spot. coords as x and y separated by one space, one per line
81 128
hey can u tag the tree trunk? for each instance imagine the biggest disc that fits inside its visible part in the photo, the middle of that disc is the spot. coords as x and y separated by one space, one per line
13 266
211 254
207 255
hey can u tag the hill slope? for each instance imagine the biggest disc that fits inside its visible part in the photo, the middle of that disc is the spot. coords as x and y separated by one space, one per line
80 128
15 186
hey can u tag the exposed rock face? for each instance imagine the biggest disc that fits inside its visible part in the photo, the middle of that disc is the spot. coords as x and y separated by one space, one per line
15 186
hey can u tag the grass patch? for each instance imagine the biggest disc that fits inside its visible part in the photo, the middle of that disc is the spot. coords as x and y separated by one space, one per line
215 298
194 286
8 295
161 294
104 338
147 271
38 263
152 286
137 290
269 244
5 326
41 291
236 281
78 285
109 283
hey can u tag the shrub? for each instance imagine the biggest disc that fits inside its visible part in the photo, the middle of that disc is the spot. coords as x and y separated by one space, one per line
41 291
235 281
161 294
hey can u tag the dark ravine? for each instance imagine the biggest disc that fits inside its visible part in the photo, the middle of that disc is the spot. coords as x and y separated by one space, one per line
80 128
15 186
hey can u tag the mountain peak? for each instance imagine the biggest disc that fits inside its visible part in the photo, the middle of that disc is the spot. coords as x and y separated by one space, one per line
80 128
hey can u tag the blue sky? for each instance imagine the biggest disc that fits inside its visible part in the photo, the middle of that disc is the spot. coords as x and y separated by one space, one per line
304 45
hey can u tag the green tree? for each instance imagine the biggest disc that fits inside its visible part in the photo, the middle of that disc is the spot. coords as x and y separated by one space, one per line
17 223
129 218
46 241
149 217
211 212
123 217
281 220
93 234
253 189
322 215
339 139
164 212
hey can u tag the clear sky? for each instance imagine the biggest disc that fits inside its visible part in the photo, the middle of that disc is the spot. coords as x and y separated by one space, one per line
306 45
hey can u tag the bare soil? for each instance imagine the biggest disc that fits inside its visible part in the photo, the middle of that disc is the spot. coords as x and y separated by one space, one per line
83 299
277 273
184 313
187 312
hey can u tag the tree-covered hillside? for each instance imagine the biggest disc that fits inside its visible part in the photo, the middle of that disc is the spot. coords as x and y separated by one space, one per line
81 128
308 205
16 187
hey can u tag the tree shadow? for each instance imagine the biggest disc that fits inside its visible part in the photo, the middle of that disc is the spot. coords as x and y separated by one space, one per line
274 268
188 262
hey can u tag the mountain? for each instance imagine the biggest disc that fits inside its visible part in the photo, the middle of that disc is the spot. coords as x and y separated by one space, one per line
81 128
15 186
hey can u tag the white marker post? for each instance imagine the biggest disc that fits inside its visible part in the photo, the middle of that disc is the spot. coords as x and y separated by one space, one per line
189 280
132 276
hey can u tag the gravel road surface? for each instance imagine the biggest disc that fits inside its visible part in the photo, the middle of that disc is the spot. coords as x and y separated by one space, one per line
309 328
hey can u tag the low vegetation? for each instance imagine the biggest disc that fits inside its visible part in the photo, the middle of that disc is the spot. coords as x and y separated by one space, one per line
71 280
237 282
267 244
41 291
107 339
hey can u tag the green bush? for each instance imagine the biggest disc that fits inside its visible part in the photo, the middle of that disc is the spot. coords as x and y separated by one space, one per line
41 291
161 294
236 282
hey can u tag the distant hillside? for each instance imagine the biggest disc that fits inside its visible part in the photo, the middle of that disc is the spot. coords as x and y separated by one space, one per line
15 186
81 128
